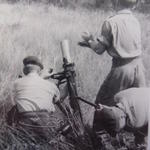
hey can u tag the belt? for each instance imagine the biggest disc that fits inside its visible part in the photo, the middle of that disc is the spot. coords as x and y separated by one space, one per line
116 62
33 114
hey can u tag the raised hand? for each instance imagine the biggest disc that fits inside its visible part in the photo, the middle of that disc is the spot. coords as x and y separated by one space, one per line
86 36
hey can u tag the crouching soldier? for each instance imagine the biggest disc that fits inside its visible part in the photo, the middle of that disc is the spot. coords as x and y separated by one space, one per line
131 113
33 100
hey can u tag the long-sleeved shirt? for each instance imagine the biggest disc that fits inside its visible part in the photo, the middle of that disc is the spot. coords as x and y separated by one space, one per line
121 34
33 93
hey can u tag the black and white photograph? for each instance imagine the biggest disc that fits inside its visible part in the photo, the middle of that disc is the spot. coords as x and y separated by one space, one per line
74 74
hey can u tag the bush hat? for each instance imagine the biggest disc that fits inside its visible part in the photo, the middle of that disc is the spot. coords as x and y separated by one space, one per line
32 60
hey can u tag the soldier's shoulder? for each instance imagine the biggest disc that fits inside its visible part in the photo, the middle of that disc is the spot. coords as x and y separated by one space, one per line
50 82
18 80
112 16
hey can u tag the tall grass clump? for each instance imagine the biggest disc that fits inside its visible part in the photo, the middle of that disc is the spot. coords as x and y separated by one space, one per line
38 30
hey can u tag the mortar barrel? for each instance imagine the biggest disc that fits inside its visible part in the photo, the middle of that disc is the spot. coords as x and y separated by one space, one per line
65 50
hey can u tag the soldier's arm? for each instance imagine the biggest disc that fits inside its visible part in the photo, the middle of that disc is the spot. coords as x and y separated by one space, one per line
103 42
97 46
63 92
13 92
60 94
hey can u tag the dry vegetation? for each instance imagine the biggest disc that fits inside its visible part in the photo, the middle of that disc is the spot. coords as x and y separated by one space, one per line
38 30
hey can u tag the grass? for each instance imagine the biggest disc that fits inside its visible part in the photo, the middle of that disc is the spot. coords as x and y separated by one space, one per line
38 30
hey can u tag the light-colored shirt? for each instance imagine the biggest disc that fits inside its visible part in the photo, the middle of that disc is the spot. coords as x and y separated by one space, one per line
136 104
121 34
34 93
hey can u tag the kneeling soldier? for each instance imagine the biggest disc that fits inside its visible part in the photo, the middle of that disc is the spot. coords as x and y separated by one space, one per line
34 99
130 113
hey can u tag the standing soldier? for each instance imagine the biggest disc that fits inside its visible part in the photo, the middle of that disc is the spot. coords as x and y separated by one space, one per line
121 38
34 100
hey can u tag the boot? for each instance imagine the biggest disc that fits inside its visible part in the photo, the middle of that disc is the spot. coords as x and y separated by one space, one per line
105 141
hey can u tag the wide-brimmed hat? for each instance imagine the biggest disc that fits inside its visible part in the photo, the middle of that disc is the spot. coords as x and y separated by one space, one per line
33 60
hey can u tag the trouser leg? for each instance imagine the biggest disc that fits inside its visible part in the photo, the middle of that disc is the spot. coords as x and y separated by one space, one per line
37 125
139 80
140 135
11 117
102 138
120 78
